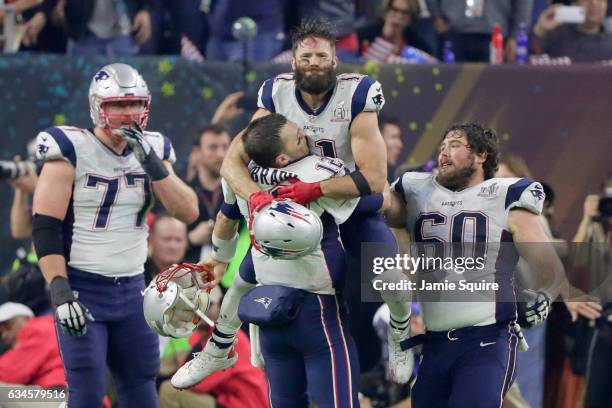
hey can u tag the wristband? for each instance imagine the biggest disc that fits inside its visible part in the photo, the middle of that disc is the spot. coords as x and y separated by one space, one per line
155 167
61 292
224 250
361 183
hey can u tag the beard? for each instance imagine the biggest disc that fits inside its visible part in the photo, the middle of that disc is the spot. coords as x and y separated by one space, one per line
457 179
315 83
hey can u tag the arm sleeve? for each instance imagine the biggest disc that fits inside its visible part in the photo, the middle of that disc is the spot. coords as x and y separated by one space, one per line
53 144
162 146
368 97
398 187
231 211
229 197
264 96
526 194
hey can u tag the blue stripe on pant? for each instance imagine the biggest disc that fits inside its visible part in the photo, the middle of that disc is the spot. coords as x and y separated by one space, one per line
474 371
119 338
312 358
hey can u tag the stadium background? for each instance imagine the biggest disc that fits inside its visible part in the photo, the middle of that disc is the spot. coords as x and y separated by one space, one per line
555 117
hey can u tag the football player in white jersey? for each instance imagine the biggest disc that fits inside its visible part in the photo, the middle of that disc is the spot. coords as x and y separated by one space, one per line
338 114
90 234
471 340
323 361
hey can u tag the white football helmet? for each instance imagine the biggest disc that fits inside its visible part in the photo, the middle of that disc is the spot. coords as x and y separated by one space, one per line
174 303
285 230
118 82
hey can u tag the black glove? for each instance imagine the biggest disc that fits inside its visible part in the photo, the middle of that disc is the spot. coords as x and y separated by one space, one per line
533 307
71 314
143 151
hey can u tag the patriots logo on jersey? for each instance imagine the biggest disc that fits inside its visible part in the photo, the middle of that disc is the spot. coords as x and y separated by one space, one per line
42 148
378 100
265 301
101 76
538 193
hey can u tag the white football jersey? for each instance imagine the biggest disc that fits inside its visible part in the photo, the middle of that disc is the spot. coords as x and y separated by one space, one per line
477 219
317 272
105 228
328 127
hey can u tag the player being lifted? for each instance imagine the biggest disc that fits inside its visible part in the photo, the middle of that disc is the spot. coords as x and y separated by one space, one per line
470 345
90 235
338 114
314 353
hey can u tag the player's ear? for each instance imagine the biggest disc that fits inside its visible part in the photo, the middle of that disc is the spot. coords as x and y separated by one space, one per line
282 160
293 63
481 158
335 61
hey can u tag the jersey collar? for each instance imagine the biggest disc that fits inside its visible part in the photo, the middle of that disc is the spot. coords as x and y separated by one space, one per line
126 152
306 108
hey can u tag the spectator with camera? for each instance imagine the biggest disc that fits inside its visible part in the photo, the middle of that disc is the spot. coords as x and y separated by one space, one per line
595 253
585 42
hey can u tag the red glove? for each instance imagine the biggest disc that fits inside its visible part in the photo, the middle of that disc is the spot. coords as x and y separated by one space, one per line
258 200
300 192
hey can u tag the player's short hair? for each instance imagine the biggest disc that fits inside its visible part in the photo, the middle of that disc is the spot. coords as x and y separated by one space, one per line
262 139
318 27
213 128
481 140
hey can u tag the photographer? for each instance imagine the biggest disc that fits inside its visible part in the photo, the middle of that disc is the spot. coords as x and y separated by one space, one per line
24 283
595 231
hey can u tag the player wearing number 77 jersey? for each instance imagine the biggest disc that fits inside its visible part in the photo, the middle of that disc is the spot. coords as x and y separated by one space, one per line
471 339
90 235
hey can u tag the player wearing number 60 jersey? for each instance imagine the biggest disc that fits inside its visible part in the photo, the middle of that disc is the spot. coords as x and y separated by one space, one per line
90 234
470 343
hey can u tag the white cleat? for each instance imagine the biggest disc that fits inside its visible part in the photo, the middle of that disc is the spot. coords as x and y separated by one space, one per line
401 363
201 366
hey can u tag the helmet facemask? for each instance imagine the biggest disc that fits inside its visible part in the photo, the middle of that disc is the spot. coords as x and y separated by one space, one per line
112 121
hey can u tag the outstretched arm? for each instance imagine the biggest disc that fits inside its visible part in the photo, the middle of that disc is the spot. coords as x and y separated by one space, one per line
534 246
224 240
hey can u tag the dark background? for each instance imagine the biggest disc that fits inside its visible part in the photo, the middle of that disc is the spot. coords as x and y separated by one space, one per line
557 118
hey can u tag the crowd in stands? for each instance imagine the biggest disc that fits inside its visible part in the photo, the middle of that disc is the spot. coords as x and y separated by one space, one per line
392 31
